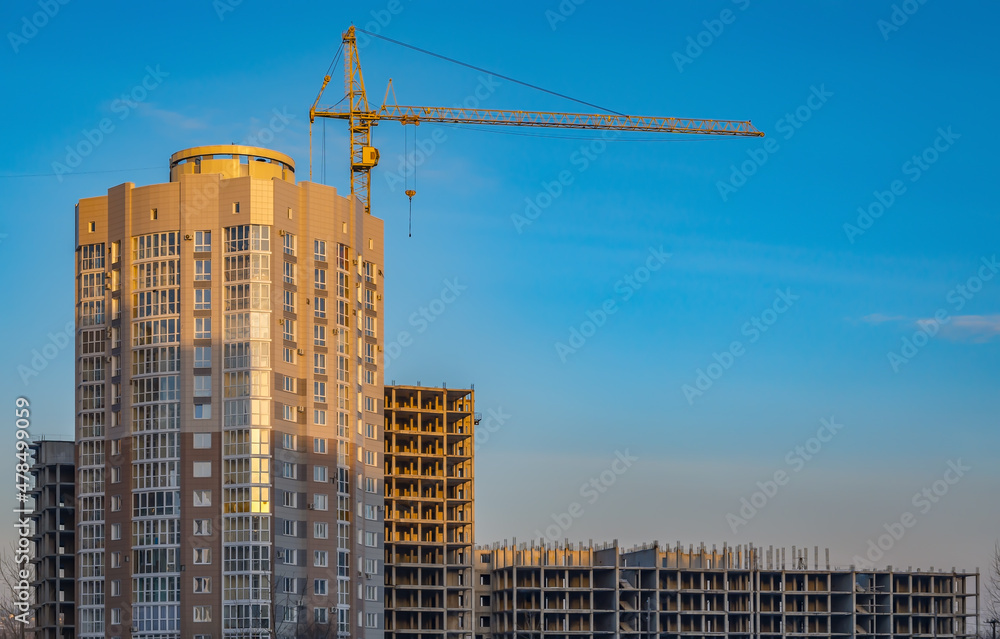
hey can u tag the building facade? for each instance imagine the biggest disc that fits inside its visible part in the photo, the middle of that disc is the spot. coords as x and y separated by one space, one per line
430 515
53 520
565 591
229 473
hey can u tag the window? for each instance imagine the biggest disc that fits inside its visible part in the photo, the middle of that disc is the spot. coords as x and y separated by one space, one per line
371 405
371 485
202 386
288 273
290 527
288 413
116 613
288 330
370 431
288 245
320 276
371 620
321 530
202 469
116 474
321 615
484 621
371 512
202 299
371 593
202 356
91 227
319 363
321 502
369 326
320 307
153 214
202 241
202 498
319 250
116 447
203 411
203 440
116 588
371 566
202 585
369 353
319 417
202 556
236 207
484 579
289 499
371 539
319 335
291 557
289 441
321 558
203 328
319 445
202 270
116 531
289 470
288 384
202 527
288 355
116 503
319 392
289 301
116 559
202 614
289 585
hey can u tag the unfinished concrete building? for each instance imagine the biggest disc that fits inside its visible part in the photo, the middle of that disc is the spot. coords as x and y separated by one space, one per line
53 475
429 523
744 592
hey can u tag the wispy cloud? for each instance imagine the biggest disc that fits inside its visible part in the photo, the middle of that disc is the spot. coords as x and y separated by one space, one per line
880 318
969 328
173 119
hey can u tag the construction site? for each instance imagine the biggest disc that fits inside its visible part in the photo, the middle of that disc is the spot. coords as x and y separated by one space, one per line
259 478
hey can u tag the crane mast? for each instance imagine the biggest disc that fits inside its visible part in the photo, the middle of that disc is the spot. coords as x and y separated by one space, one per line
361 118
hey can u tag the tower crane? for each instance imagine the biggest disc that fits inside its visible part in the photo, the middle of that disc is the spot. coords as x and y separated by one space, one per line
361 118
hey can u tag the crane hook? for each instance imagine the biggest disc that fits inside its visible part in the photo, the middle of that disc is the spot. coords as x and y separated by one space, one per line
410 193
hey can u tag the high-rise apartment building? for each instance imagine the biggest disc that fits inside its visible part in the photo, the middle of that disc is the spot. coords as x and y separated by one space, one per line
52 475
429 520
229 405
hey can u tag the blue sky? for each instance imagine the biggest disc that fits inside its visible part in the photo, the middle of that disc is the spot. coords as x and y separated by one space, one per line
751 227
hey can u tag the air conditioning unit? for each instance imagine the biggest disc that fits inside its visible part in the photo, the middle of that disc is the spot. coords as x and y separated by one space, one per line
301 409
281 321
302 351
311 507
281 233
187 236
